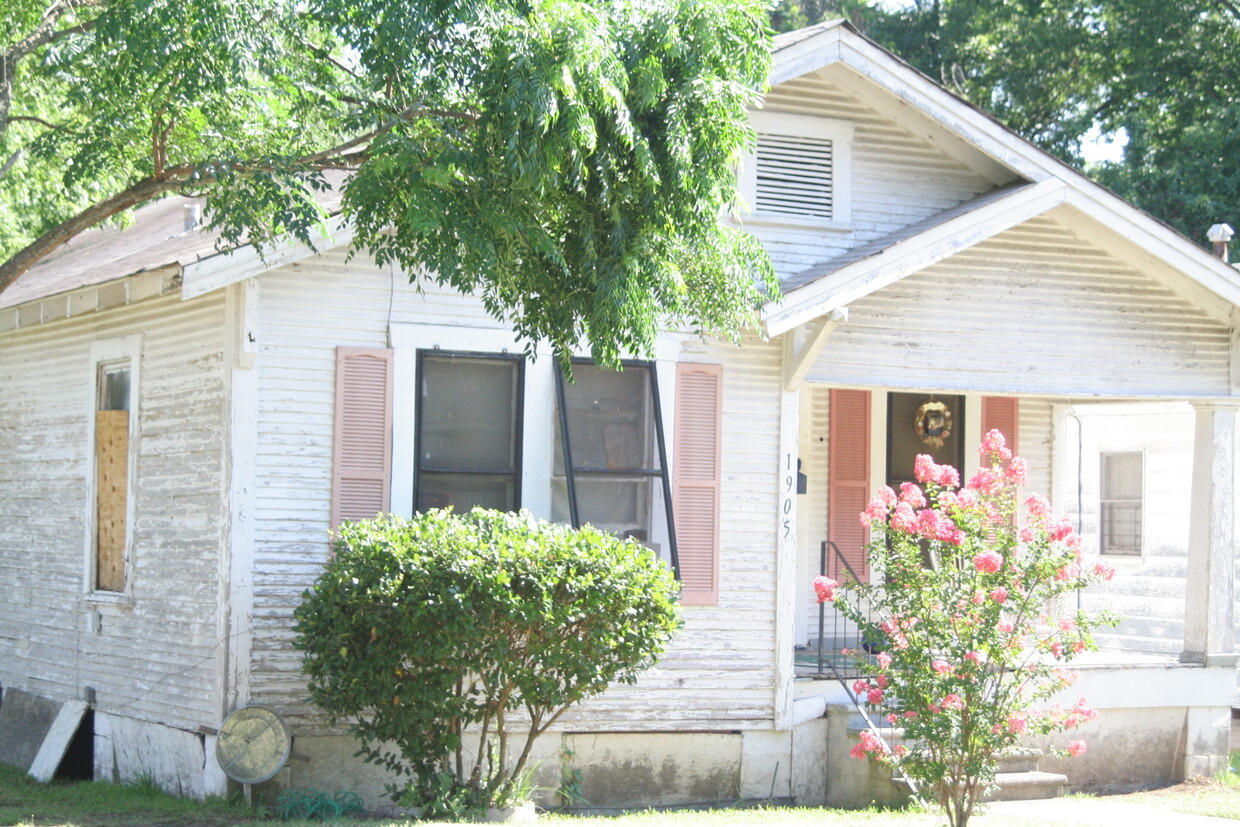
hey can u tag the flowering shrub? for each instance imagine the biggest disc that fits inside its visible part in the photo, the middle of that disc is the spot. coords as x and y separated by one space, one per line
969 643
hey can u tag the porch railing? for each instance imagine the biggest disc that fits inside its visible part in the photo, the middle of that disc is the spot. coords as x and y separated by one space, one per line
845 636
835 632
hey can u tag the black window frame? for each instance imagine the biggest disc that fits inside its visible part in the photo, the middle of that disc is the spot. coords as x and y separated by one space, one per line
518 423
663 472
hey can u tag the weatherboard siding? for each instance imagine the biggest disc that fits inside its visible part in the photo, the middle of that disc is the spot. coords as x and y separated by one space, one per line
897 178
720 670
155 655
1036 309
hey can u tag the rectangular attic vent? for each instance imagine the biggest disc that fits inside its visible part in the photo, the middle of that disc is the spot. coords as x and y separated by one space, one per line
795 176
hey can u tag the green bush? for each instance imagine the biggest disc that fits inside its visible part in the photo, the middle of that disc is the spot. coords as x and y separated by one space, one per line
428 634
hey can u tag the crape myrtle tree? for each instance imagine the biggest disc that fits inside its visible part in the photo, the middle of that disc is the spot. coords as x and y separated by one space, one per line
972 623
567 160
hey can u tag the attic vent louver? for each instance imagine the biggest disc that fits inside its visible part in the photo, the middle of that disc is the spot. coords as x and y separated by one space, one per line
795 176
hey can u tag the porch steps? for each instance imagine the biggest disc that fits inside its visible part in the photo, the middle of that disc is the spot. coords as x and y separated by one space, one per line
1018 777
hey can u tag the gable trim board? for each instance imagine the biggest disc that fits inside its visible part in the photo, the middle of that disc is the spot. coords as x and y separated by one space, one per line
884 265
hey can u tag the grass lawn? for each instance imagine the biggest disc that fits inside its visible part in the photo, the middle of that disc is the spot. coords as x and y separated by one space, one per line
26 803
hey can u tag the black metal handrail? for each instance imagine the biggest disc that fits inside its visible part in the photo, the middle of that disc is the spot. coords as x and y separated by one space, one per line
848 667
841 630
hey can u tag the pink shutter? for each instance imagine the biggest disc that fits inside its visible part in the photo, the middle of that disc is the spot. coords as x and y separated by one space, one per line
362 446
1002 412
848 480
697 469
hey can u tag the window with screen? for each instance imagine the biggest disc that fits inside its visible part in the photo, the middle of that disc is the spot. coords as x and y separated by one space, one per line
468 431
1120 518
610 459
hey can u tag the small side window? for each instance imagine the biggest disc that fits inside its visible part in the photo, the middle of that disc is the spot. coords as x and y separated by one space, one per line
112 411
1120 514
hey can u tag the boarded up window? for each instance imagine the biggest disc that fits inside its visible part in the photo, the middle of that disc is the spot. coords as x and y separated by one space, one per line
698 472
111 477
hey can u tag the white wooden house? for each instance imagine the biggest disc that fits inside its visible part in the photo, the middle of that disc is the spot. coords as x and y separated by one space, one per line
180 427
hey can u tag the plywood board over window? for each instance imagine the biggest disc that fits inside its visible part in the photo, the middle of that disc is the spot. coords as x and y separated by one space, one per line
112 500
114 389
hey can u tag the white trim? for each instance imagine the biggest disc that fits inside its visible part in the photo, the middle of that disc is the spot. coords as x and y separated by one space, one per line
910 255
113 351
240 263
843 45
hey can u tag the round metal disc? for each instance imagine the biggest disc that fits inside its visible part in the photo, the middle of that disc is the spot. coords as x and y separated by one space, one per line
253 744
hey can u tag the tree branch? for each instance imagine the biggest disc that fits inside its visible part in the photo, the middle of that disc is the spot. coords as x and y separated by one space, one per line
27 257
33 119
177 179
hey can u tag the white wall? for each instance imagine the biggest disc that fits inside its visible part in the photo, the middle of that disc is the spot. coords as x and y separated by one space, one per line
719 673
151 653
1148 590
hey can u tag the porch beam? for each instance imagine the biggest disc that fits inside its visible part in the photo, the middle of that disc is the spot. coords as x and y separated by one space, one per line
1208 630
802 346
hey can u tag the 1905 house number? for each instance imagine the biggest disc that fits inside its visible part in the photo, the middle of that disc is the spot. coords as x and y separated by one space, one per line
789 489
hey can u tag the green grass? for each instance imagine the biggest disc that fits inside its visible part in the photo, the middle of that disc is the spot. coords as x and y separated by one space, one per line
26 803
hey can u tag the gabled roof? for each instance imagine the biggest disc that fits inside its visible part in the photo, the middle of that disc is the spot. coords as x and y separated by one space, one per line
1047 183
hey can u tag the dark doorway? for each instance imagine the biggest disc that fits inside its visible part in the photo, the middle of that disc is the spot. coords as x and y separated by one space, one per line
79 761
923 423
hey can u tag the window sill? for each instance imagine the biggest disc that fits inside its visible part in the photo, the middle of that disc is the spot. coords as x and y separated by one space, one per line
112 601
794 222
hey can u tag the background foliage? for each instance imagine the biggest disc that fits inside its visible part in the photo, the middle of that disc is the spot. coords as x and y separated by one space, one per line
565 159
1163 76
434 631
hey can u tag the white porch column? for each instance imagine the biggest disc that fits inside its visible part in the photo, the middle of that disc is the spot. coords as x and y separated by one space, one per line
1208 635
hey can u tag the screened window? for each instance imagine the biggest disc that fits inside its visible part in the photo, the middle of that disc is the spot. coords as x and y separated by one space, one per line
610 460
468 431
1121 508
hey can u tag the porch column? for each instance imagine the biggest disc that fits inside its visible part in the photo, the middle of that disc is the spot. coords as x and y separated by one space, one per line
1208 635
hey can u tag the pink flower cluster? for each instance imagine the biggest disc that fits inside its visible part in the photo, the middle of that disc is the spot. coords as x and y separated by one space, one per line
989 562
925 469
825 588
868 744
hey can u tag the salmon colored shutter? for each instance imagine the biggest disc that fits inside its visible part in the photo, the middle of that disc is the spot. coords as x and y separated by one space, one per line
696 477
1002 412
362 447
848 480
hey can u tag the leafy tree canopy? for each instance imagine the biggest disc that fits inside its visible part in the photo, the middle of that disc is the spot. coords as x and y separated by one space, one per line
566 159
1164 75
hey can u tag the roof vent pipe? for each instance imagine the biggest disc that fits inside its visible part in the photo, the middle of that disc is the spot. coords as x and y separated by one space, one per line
193 216
1219 235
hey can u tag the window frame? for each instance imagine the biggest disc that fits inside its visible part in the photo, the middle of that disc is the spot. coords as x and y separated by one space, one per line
840 133
107 355
517 425
663 473
1104 501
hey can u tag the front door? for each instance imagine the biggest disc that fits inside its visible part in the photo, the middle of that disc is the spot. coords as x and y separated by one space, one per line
923 423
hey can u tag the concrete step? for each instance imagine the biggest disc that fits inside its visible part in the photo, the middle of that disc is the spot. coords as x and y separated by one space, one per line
1026 786
1020 759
